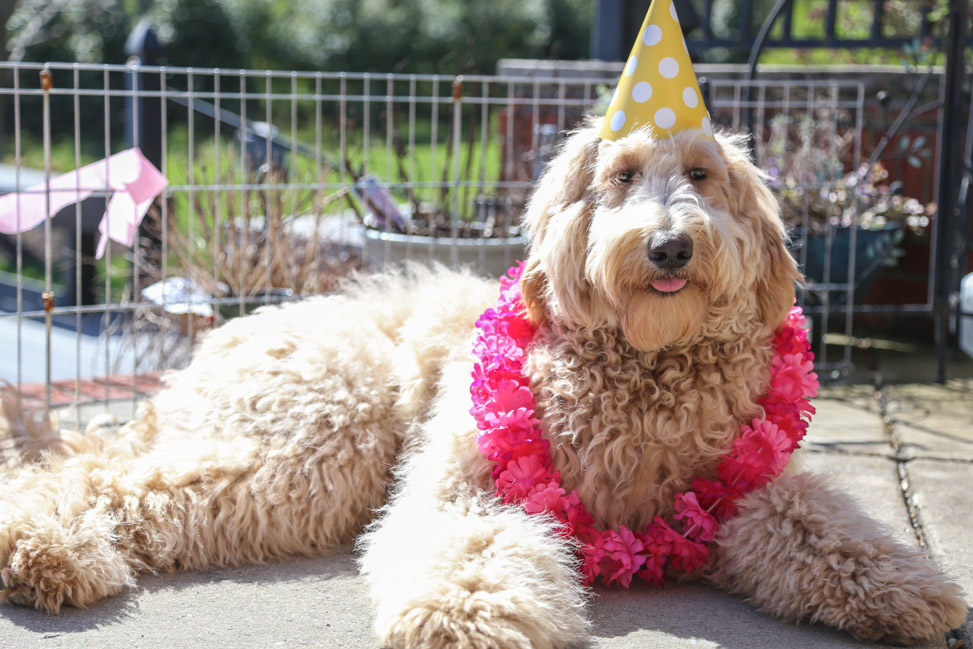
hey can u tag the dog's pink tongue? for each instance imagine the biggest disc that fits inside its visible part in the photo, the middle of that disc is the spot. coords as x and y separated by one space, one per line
668 285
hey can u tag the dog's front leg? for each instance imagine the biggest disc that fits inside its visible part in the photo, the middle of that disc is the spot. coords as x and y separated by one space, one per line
448 565
801 550
472 574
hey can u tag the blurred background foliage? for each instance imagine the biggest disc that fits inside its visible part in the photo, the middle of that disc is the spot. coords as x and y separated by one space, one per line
443 36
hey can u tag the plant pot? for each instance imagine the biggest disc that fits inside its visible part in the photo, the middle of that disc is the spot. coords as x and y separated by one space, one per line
874 250
488 257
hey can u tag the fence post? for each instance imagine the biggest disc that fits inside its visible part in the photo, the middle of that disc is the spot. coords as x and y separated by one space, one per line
143 120
946 195
145 130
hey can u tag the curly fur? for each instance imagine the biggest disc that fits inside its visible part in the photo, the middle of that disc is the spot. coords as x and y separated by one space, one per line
292 427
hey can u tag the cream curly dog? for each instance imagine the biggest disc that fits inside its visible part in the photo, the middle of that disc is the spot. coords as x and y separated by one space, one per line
290 428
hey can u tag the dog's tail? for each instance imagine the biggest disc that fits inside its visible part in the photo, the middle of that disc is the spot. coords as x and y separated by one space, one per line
26 435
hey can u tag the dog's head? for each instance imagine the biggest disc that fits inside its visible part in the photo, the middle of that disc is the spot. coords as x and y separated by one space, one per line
669 240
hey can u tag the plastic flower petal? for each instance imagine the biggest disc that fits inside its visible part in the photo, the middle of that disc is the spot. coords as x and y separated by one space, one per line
699 523
622 557
545 497
520 477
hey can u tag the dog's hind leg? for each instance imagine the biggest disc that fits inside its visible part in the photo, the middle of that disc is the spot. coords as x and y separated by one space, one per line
799 549
450 566
75 530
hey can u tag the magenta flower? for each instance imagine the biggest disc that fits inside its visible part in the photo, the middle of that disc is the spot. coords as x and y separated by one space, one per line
795 318
686 555
656 548
699 523
788 418
623 556
545 497
716 498
520 476
792 377
767 441
744 472
593 554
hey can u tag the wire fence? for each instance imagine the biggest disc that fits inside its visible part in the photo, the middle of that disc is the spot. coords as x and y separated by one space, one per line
281 183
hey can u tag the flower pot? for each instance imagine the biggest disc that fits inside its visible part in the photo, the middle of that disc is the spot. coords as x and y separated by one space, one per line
488 257
874 250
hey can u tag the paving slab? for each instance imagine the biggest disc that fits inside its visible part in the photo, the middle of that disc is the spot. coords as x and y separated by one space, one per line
306 602
848 420
943 492
933 421
873 482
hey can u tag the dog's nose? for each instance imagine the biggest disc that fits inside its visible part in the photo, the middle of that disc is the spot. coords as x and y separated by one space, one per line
671 251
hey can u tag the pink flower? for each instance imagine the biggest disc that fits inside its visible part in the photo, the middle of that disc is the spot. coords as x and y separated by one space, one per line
767 441
545 497
510 406
792 377
700 524
509 324
788 418
791 340
716 498
622 557
520 476
593 554
576 517
504 444
656 548
686 555
744 472
795 318
494 345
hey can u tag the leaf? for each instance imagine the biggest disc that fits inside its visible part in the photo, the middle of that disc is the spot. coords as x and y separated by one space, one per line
904 142
919 142
914 161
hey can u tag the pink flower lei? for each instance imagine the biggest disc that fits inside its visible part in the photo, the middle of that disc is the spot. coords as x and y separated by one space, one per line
510 436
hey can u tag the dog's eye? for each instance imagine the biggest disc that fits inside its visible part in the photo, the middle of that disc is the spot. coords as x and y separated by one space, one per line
624 178
697 173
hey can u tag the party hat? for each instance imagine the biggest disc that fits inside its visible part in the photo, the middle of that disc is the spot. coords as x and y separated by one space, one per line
658 88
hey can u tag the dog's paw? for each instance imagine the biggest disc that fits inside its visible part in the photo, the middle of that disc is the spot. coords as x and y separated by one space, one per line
907 613
51 567
37 578
479 620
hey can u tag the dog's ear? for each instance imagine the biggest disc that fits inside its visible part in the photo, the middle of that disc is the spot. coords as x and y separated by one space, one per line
565 181
777 272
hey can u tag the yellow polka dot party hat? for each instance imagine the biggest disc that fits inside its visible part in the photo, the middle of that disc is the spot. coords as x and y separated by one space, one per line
658 90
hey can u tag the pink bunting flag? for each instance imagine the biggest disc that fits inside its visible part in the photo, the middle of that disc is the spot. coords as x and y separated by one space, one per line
134 181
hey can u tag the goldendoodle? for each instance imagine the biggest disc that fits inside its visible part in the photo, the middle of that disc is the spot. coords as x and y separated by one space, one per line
656 278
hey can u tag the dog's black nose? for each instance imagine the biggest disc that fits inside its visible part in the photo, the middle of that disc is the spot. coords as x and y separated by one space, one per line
670 251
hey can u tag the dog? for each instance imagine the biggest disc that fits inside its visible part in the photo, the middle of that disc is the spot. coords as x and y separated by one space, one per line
656 276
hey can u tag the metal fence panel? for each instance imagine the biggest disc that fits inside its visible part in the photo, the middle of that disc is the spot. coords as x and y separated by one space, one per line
272 173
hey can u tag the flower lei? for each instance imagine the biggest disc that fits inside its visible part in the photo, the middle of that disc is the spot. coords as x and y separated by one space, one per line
510 436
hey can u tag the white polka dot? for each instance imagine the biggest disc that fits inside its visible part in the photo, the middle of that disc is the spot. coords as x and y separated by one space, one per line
707 127
669 67
672 11
690 97
652 35
618 120
633 63
641 92
665 118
